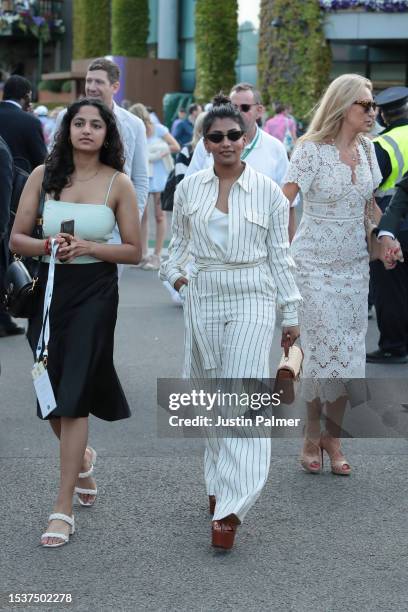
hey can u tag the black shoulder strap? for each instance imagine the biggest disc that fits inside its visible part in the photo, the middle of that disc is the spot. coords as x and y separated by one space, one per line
38 228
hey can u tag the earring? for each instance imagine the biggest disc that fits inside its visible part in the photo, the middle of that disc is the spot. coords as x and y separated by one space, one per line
106 144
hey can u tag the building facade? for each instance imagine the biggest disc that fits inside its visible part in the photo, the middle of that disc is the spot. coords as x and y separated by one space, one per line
369 37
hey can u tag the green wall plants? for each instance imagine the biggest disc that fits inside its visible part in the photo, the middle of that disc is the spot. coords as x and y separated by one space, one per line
91 25
216 39
294 56
130 27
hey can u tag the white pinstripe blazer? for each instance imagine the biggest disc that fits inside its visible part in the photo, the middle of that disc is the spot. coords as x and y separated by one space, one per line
258 230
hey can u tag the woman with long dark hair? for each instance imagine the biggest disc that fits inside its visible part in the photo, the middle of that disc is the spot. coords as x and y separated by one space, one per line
233 221
84 182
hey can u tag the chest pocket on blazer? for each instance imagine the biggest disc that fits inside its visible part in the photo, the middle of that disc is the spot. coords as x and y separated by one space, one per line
258 218
256 229
191 211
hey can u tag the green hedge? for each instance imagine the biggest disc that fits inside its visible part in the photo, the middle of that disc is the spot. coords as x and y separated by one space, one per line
53 86
66 87
91 27
216 39
130 27
294 58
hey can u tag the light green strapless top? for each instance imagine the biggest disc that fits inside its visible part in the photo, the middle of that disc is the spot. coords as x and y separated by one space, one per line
93 222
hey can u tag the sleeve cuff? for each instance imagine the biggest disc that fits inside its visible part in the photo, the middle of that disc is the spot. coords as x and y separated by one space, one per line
385 233
290 318
173 276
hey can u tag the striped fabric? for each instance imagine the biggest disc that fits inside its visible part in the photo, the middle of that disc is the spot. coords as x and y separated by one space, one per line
229 312
258 222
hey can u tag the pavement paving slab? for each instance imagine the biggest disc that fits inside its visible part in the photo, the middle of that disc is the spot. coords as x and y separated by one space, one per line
312 543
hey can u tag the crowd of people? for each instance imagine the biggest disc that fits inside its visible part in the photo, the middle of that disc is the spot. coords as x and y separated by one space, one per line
235 256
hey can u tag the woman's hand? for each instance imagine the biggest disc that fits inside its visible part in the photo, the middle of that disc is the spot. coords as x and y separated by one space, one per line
180 282
73 247
290 334
62 241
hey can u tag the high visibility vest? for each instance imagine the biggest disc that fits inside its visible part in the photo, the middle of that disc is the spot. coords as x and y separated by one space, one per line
395 143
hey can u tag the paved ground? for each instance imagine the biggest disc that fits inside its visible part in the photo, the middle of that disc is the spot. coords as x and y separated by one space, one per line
311 543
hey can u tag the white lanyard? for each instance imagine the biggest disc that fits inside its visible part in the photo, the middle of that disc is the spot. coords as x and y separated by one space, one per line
45 328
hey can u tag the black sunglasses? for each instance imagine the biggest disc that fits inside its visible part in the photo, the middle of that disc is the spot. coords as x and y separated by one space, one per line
218 137
366 104
244 108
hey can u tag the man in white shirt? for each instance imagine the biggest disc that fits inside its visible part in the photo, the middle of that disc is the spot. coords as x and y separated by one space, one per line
102 82
265 153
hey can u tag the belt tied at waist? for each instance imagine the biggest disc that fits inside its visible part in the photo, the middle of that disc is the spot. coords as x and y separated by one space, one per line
195 328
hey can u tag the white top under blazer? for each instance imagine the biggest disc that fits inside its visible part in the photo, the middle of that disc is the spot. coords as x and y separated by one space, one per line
257 232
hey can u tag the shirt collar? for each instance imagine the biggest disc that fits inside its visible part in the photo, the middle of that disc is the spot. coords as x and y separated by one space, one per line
243 181
256 141
13 102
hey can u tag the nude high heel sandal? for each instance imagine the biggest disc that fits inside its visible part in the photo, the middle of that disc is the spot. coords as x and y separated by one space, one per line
332 446
311 458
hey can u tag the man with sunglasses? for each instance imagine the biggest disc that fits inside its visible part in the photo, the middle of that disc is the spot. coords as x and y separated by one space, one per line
391 285
263 152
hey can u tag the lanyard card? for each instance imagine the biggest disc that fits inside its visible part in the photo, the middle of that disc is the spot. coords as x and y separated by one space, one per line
43 389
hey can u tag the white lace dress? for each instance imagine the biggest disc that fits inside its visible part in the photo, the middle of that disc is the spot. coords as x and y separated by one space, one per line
331 255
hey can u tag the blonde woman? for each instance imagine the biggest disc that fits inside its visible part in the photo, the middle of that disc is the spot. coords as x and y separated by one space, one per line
161 145
334 166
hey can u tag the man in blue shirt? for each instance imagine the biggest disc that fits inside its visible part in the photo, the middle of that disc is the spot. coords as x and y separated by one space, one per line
183 132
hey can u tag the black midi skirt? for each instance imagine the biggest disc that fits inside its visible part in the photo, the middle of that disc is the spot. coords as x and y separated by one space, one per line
80 351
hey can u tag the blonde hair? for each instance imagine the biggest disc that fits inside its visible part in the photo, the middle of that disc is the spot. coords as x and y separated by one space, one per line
141 111
198 129
329 112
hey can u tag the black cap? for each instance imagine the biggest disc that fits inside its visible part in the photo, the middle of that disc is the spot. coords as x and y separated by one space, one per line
393 97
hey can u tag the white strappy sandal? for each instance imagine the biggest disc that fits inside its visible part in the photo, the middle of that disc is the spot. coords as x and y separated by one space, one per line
61 536
78 490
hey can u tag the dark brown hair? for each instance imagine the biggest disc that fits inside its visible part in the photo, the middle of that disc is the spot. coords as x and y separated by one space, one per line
222 108
111 69
59 165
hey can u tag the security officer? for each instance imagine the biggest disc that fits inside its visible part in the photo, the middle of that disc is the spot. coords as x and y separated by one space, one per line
391 286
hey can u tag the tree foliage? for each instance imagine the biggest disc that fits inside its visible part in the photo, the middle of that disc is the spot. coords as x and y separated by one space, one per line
216 39
130 27
91 25
294 56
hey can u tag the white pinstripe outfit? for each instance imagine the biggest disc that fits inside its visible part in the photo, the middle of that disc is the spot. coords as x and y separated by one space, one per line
229 309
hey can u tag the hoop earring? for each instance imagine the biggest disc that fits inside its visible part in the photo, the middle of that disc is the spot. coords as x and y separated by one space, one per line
106 144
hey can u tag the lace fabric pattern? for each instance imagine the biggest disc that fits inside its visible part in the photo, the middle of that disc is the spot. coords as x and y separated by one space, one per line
331 256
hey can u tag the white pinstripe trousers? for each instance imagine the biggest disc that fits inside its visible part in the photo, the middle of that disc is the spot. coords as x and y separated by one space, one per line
230 318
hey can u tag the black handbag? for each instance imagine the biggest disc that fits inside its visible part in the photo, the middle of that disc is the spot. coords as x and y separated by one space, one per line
167 196
21 291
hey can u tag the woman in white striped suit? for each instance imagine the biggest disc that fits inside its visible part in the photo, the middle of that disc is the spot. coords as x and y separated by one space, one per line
233 221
